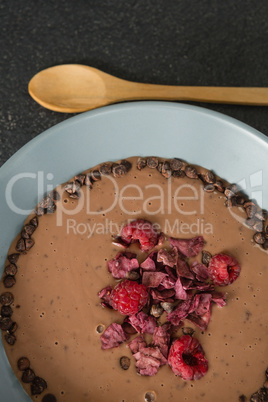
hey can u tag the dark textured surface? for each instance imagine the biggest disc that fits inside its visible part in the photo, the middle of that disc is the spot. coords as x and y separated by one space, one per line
171 42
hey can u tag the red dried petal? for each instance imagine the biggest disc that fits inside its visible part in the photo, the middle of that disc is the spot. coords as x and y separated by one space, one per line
188 247
142 231
112 337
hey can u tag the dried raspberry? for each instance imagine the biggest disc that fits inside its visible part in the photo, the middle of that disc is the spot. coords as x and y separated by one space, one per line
129 297
186 358
142 231
223 269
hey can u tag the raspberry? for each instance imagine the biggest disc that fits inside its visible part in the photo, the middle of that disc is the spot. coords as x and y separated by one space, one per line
129 297
223 269
186 358
142 231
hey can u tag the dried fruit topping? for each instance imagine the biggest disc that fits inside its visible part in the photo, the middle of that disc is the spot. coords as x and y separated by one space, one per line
188 247
122 264
223 269
129 297
113 336
142 231
186 358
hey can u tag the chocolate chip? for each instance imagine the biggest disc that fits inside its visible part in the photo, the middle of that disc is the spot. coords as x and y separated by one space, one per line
119 170
141 164
29 244
127 164
38 386
206 257
49 398
13 258
105 168
209 177
9 281
209 188
96 175
20 246
34 221
187 331
124 362
11 269
178 173
10 339
27 375
219 186
5 323
23 363
156 310
259 238
6 298
176 164
191 172
6 311
152 162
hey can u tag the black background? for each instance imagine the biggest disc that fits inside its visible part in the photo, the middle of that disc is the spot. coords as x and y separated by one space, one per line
194 42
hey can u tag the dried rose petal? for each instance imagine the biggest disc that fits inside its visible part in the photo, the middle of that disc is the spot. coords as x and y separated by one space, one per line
188 247
113 336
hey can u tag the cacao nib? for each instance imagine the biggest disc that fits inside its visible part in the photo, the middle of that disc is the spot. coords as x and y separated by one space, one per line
125 362
38 386
106 168
113 336
6 298
11 269
20 246
176 164
142 163
27 375
23 363
152 162
13 258
191 172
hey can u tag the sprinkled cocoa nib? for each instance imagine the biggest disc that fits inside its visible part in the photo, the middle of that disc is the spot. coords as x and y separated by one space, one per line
20 246
13 258
23 363
176 164
55 196
29 229
124 362
178 173
209 188
231 202
259 238
34 221
231 190
187 331
105 168
191 172
13 328
258 226
29 243
156 310
6 298
152 162
40 211
127 164
38 386
9 281
206 257
28 375
10 339
166 171
141 164
11 269
96 175
6 311
119 170
88 181
209 177
5 323
219 186
265 245
251 210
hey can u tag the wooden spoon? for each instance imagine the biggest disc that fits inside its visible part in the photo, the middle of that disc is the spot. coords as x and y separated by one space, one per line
73 88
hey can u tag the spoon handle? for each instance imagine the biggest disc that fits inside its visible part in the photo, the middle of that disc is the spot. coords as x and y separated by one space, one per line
234 95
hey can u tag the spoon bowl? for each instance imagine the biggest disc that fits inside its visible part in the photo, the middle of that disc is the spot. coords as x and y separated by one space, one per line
74 88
